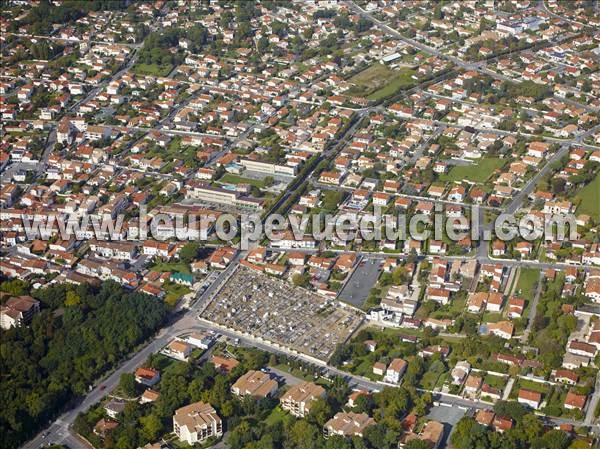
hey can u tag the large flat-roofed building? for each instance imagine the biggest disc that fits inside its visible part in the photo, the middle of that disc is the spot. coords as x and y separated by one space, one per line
197 422
218 195
256 384
268 168
299 398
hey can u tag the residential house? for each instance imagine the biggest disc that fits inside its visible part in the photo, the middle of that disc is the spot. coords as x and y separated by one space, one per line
395 371
147 376
529 398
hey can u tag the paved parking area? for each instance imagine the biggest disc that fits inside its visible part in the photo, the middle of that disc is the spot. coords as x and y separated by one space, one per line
274 310
449 417
362 280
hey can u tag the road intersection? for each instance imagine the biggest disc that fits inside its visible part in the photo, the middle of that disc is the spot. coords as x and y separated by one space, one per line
59 431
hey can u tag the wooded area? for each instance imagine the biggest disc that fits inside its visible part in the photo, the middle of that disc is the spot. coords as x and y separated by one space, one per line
80 333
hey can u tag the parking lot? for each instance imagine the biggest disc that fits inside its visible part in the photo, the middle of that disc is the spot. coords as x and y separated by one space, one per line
449 417
361 282
276 311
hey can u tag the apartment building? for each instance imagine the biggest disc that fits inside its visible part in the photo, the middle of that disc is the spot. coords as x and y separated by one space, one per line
256 384
197 422
114 250
18 311
97 132
347 424
299 398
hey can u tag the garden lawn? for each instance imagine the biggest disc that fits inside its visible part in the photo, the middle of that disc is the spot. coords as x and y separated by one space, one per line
379 81
171 266
174 292
527 278
152 69
479 171
590 204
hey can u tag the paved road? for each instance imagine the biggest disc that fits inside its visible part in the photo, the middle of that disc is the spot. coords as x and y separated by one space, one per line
74 40
479 66
289 379
482 260
593 403
369 385
59 433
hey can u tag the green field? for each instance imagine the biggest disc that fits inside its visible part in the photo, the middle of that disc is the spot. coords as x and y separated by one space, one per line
590 204
527 278
152 69
477 172
228 178
379 81
171 266
174 292
278 415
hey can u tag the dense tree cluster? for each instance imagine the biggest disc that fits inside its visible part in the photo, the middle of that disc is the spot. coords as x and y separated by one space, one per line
43 16
250 423
79 334
527 432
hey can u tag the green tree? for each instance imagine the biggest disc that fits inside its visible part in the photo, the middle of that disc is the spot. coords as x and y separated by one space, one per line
301 280
72 299
151 427
469 435
16 287
189 252
320 412
127 384
417 444
304 435
337 442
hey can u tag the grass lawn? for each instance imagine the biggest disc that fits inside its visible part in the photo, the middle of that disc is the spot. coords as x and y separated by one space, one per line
402 79
527 278
530 385
171 266
379 81
495 381
229 178
480 171
430 380
278 415
492 317
590 204
365 369
174 292
152 69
